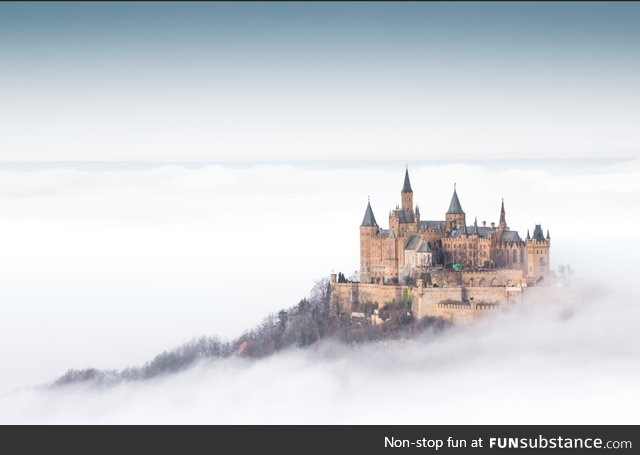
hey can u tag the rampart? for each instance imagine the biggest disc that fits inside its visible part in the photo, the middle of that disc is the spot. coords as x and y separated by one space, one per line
457 296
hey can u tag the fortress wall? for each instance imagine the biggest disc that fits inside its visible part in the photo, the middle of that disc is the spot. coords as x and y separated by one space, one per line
456 315
504 277
461 305
426 300
489 294
458 304
347 297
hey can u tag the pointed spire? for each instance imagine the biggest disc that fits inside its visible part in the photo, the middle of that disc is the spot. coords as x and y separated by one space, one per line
503 222
369 220
528 235
455 207
548 238
406 188
475 226
417 209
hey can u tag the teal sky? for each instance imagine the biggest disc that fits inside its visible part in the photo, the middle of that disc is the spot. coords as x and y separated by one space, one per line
281 81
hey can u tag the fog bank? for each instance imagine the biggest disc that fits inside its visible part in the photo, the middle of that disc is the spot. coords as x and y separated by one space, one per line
107 267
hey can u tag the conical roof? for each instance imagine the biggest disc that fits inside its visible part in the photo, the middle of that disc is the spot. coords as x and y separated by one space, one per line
369 220
406 188
455 207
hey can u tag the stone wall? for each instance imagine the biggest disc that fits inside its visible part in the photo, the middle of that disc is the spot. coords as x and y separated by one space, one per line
462 305
459 304
348 297
508 277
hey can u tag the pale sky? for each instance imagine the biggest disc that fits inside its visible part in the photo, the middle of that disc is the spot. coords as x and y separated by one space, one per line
282 81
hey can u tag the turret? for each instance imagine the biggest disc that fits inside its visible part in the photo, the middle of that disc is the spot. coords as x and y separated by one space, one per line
455 217
537 253
407 193
368 230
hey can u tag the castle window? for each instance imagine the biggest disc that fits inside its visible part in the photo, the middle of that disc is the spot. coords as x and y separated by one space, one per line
515 256
494 282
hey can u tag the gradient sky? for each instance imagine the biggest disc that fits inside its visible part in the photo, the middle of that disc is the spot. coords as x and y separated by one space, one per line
283 81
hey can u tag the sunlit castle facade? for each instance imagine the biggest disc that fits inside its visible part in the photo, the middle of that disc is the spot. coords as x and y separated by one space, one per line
411 247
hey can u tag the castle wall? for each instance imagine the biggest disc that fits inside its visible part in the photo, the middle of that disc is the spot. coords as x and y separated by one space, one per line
458 304
445 303
463 305
503 277
348 297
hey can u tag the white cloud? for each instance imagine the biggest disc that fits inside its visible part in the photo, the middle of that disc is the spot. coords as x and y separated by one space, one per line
547 366
106 268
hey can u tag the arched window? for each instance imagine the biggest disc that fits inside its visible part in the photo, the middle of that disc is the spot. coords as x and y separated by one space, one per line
482 282
470 282
494 282
515 256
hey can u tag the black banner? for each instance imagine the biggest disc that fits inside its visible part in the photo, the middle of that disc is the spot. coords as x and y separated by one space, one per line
332 439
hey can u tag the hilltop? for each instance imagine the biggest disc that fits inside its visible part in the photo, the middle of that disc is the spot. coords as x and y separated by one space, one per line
302 325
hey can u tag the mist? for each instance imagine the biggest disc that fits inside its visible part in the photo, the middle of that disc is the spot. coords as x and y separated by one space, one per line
108 265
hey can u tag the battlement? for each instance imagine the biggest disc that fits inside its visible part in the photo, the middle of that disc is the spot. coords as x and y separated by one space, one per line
460 304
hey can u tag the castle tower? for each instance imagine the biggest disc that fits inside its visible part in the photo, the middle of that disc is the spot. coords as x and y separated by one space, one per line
368 230
455 217
537 253
407 193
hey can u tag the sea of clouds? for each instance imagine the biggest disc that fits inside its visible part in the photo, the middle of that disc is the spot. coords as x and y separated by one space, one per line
108 265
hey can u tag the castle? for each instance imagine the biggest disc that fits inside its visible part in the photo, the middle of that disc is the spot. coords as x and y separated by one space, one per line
442 267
